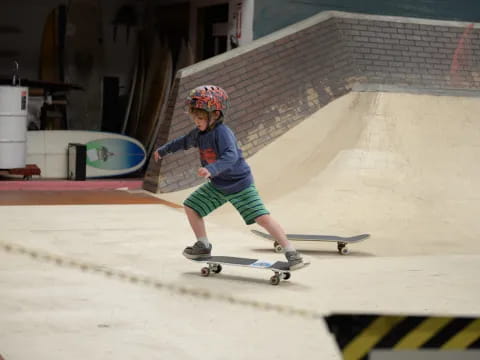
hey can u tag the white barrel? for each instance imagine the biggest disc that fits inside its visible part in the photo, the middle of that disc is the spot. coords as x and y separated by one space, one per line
13 126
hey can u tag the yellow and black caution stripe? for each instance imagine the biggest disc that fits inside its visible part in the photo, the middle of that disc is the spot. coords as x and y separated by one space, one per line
358 335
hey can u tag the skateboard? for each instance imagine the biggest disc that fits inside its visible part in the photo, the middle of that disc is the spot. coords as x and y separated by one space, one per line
342 242
280 269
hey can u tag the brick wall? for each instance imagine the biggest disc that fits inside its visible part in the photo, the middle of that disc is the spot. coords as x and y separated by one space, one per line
423 55
281 79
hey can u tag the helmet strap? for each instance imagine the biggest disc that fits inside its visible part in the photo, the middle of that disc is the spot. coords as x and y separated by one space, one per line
209 125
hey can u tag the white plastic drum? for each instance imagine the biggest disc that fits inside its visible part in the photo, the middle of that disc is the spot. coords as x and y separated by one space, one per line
13 126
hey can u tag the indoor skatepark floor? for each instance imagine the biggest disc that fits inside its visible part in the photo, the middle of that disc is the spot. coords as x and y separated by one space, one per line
109 281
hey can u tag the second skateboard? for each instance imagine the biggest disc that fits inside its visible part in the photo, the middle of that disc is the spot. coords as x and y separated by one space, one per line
341 241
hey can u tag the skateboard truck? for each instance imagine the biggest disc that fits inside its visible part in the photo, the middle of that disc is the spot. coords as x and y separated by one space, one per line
341 247
217 268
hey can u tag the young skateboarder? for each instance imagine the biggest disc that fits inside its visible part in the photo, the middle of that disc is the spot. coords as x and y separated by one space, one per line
230 177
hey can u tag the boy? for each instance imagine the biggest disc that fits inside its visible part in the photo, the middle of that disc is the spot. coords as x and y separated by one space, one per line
223 164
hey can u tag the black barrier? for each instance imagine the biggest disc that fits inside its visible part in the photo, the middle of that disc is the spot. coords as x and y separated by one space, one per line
358 335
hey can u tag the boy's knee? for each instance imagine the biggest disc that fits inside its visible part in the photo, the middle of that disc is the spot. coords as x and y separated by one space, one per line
190 211
262 220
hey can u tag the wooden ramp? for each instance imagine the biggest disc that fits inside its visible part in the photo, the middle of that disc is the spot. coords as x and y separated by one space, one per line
90 197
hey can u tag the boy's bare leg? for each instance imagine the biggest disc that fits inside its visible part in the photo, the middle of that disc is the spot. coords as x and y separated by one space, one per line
201 248
274 229
294 259
196 222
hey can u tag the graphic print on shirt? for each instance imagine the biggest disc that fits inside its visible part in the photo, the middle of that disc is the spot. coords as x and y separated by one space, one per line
208 155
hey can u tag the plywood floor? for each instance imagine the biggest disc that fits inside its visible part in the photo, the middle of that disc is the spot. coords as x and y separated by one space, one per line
88 197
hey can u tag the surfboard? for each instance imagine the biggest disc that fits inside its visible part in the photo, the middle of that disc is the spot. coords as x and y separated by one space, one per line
49 67
162 106
84 64
131 93
108 154
160 73
185 56
137 89
154 49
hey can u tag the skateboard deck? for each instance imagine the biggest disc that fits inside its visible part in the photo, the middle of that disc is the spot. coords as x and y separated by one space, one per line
340 240
280 269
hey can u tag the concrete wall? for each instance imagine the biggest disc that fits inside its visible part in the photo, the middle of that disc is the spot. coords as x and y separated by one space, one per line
277 81
240 19
272 15
30 16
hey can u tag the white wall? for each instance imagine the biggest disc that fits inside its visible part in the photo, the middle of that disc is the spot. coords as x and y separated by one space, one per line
241 20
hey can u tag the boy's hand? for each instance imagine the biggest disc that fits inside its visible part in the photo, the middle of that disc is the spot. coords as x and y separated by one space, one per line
156 156
203 172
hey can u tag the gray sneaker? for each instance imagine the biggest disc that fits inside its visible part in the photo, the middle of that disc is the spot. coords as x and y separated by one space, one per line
295 260
197 251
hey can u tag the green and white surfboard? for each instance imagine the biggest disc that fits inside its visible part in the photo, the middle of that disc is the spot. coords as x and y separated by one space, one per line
108 154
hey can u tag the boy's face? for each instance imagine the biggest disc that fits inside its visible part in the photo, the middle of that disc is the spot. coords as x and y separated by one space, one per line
200 118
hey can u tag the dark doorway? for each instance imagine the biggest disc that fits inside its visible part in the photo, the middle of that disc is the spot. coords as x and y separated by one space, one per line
212 30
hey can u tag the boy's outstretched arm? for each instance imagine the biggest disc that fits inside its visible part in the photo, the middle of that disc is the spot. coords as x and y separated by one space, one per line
203 172
182 143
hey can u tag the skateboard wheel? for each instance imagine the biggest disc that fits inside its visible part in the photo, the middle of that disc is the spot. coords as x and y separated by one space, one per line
205 271
217 268
278 248
286 276
342 248
275 280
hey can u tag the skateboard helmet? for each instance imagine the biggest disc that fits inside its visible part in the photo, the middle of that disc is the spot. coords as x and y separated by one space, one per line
209 98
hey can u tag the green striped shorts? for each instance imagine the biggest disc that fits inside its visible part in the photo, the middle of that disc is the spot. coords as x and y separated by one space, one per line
247 202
